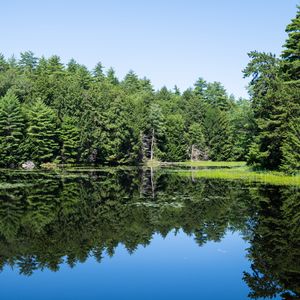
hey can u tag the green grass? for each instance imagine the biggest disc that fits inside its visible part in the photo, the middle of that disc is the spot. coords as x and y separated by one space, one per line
152 163
4 185
245 174
209 163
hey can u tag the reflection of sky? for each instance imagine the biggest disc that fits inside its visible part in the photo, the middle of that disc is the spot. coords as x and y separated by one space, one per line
171 268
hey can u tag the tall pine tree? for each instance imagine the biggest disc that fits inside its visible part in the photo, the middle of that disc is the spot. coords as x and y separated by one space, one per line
70 137
290 69
269 111
11 130
41 144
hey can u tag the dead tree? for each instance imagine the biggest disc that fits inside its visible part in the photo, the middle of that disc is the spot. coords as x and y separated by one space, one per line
197 154
148 145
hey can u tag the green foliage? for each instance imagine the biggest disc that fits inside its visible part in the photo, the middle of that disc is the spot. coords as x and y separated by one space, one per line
28 61
291 147
41 144
195 141
195 136
11 130
218 137
175 146
242 129
215 95
92 117
291 52
70 138
275 101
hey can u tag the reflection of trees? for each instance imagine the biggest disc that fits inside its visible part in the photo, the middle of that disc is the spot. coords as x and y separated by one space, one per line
275 245
69 218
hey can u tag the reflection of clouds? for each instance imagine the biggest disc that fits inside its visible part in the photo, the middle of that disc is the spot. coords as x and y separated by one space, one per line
222 251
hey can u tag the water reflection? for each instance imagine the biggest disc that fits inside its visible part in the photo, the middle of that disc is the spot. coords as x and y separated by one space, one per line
48 219
275 245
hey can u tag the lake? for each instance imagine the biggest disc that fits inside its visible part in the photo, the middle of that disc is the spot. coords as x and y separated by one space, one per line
142 233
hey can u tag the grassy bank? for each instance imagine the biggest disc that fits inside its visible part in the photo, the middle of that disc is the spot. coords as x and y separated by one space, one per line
245 174
208 163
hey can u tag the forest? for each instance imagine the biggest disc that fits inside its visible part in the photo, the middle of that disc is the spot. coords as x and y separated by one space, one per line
68 114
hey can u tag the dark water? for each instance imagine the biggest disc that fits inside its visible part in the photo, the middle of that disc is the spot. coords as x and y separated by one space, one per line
137 234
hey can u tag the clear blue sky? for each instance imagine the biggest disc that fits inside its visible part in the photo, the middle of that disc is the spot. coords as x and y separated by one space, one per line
169 41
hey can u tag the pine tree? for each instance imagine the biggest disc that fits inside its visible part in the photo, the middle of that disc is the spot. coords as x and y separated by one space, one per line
70 138
291 147
131 82
175 146
41 144
218 134
275 92
196 142
3 64
155 132
269 112
291 53
28 61
11 130
111 76
242 121
98 72
215 95
290 69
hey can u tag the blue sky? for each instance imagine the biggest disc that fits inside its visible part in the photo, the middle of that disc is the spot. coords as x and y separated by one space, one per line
169 41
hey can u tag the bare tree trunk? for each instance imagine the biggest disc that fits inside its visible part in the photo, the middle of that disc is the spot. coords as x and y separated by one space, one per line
152 145
142 146
152 182
142 184
192 152
192 174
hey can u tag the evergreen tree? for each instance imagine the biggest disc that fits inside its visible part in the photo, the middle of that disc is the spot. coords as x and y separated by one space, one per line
28 61
175 146
11 130
274 88
269 113
218 134
242 129
215 95
72 66
196 142
70 138
291 52
41 144
131 82
290 69
193 107
119 141
291 147
98 72
155 132
3 64
111 76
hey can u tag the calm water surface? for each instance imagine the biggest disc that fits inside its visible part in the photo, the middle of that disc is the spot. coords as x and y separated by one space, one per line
142 234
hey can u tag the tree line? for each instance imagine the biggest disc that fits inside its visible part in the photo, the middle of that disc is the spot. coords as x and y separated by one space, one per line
51 112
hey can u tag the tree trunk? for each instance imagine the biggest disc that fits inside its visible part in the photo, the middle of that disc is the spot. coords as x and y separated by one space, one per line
152 183
192 152
152 145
